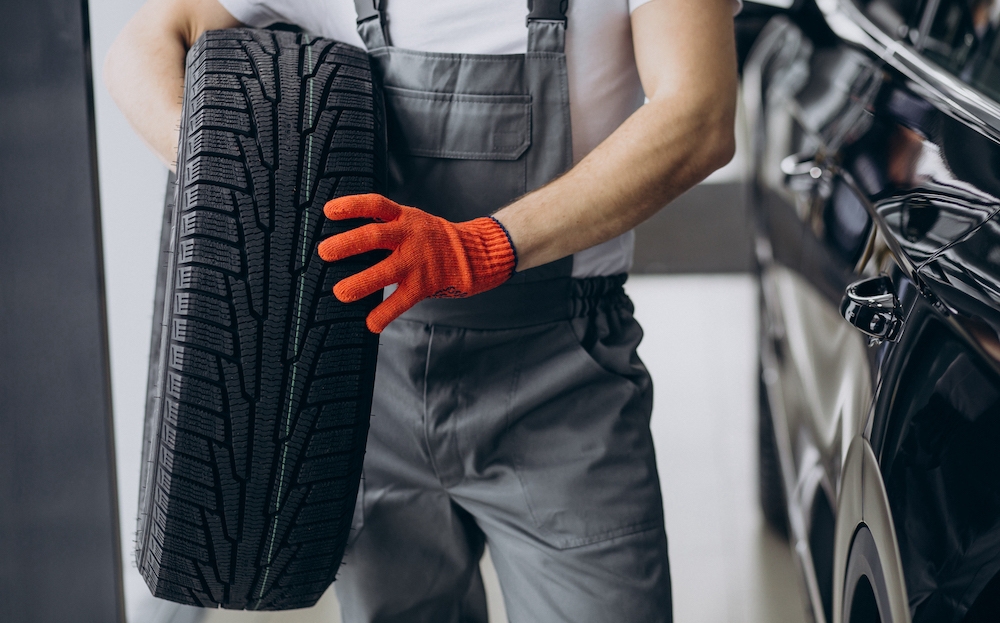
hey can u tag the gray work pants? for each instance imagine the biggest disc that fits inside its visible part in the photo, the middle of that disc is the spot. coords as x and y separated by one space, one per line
534 440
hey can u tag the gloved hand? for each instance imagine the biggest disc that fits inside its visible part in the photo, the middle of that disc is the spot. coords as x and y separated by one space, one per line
431 257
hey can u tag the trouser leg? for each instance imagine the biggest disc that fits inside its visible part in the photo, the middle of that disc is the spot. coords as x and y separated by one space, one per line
414 557
619 579
558 466
538 437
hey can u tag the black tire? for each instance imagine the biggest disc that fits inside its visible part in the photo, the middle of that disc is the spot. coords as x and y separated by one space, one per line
771 484
262 386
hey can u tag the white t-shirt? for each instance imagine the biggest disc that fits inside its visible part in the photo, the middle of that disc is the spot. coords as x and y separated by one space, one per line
604 84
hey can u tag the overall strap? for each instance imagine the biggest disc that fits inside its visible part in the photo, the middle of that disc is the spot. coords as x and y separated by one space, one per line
546 25
371 24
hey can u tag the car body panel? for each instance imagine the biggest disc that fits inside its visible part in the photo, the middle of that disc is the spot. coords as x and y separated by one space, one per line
941 471
868 158
850 514
878 517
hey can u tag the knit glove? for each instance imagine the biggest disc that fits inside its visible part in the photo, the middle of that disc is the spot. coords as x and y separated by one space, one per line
430 257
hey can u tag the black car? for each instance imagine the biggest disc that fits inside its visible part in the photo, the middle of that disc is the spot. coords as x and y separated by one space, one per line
875 190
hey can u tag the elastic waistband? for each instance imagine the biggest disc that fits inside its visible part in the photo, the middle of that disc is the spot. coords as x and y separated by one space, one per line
516 305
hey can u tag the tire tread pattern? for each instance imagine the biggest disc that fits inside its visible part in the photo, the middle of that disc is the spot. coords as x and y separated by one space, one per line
261 380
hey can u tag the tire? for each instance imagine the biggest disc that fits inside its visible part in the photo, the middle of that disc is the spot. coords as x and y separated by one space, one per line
261 383
159 294
771 484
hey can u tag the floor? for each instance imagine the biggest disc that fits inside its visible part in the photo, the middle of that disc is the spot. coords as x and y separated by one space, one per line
700 348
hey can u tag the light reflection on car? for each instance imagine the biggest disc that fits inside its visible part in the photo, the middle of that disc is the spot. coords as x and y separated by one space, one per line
875 189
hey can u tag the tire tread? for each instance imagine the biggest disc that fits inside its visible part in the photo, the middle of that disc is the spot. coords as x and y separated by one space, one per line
262 388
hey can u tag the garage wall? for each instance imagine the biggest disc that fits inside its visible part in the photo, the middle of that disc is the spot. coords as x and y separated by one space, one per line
705 230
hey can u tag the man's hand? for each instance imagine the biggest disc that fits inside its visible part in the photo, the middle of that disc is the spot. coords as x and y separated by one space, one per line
431 257
686 55
144 69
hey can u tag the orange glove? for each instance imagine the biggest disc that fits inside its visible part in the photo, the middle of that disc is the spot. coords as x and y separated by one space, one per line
431 257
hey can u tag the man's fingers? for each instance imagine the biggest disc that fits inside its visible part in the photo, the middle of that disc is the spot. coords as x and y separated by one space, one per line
358 286
370 205
391 308
361 240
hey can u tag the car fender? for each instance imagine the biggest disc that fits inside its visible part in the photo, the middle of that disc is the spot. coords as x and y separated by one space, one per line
863 500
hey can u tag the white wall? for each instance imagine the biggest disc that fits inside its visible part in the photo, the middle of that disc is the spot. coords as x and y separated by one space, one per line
132 182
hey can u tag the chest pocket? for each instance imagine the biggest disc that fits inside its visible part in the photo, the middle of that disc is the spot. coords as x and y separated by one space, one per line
458 126
459 156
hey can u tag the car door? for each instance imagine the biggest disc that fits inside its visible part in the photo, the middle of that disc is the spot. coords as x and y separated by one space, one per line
935 196
861 167
815 97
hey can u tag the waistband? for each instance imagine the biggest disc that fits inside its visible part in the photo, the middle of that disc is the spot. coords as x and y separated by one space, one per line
516 305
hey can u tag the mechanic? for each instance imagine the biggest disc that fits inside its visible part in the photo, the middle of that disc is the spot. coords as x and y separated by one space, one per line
510 405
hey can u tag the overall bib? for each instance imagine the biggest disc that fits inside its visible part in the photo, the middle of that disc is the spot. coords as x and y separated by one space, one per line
518 417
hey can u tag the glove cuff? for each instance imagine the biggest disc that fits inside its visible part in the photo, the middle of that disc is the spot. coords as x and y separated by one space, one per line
490 250
510 241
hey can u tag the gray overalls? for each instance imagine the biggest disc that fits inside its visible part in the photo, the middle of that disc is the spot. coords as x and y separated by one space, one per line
520 416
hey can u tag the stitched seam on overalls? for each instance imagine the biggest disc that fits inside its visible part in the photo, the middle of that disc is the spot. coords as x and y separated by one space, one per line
629 530
498 155
515 457
475 98
479 58
424 420
564 89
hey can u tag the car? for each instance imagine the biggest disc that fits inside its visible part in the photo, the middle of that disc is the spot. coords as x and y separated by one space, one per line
874 189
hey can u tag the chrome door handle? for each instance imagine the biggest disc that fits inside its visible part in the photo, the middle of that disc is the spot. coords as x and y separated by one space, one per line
872 307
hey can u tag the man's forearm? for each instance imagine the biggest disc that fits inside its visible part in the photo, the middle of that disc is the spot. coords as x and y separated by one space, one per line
687 62
144 69
649 161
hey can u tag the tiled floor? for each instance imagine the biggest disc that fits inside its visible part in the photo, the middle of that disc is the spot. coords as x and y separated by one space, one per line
700 348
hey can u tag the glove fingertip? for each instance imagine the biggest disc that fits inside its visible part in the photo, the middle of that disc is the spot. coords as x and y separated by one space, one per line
334 207
391 308
369 205
344 292
326 250
375 326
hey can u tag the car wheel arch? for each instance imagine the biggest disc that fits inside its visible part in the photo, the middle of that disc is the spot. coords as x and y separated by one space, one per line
865 530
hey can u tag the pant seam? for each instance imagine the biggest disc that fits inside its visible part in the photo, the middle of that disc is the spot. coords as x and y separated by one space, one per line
424 417
515 459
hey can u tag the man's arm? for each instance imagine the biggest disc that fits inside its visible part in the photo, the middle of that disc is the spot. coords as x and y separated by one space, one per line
685 52
686 56
144 69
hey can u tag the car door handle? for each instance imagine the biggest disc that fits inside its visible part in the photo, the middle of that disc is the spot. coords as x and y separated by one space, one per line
872 307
